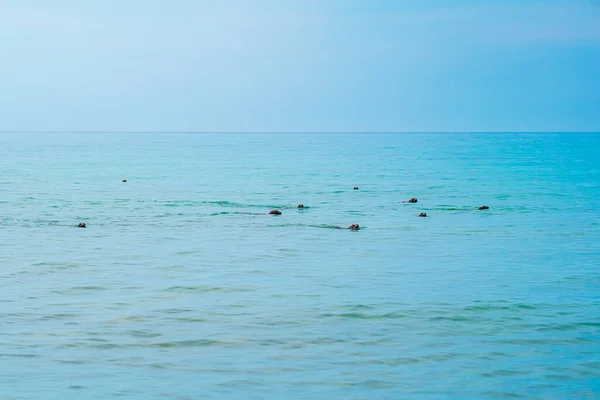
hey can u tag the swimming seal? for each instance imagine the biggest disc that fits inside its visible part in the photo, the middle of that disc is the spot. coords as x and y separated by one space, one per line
484 208
354 227
300 206
411 200
423 214
81 225
124 180
355 188
275 212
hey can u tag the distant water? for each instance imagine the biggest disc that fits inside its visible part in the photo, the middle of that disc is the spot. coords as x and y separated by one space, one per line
180 289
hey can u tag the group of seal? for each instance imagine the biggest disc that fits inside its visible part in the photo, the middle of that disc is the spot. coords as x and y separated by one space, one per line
415 200
353 227
424 214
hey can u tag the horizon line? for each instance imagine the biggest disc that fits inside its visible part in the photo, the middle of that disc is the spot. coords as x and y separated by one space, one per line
280 132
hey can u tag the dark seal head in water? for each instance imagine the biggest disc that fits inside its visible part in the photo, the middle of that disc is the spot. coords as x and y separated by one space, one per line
355 188
423 214
484 207
124 180
354 227
81 225
300 206
275 212
411 200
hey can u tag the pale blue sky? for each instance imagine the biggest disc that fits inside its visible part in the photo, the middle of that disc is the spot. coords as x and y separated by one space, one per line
300 65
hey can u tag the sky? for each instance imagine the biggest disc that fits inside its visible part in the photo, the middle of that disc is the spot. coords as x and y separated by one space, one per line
300 65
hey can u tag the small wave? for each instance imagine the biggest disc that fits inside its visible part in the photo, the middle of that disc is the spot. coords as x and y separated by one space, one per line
359 307
243 205
358 315
454 318
205 288
91 287
322 226
144 334
58 316
496 307
235 213
19 355
185 343
327 226
182 203
127 319
56 265
188 319
174 344
563 327
221 203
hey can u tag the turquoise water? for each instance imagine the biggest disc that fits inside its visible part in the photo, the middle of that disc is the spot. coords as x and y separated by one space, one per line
181 288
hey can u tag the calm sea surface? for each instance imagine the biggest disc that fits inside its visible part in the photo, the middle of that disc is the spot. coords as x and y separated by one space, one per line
180 288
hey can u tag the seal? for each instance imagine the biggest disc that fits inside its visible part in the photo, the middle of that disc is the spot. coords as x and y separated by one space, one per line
300 206
354 227
355 188
81 225
483 208
423 214
275 212
411 200
124 180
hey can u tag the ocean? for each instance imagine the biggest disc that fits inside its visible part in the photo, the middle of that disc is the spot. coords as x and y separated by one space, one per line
183 287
